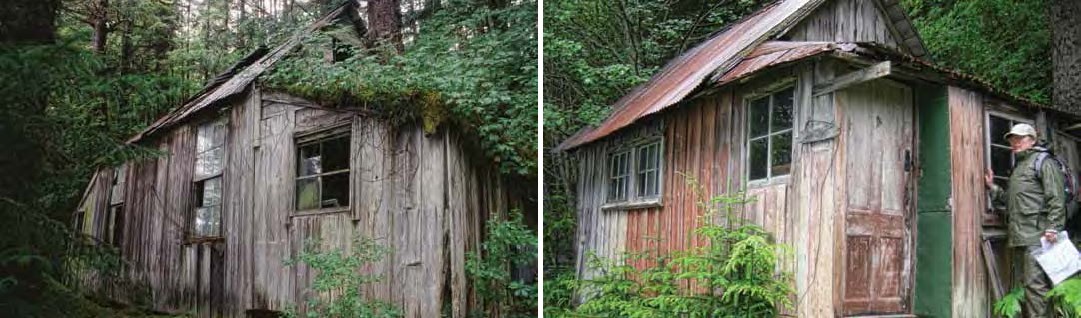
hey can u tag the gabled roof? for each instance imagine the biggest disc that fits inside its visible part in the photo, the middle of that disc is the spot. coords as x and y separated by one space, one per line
239 76
714 58
778 53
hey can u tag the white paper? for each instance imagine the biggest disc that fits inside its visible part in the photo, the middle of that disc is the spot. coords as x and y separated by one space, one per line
1060 260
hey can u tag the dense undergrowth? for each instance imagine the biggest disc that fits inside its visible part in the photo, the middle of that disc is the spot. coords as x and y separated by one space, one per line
736 272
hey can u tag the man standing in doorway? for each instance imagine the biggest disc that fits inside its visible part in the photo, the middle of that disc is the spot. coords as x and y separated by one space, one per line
1035 207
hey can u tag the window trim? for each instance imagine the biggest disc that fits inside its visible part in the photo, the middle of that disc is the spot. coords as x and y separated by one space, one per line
627 176
193 236
225 125
118 184
633 199
658 168
989 143
990 218
770 90
318 136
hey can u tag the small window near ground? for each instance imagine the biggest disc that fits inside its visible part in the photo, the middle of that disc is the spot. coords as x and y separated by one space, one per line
322 179
648 170
209 165
769 135
618 176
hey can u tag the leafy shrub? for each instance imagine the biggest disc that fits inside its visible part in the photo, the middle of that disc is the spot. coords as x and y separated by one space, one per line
1065 299
338 281
509 245
735 273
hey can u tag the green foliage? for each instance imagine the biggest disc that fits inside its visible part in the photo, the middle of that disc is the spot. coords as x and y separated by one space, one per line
1006 42
339 278
66 111
594 53
475 66
1067 297
736 273
509 244
1010 304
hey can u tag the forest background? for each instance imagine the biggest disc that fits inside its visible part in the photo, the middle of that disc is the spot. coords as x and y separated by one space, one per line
595 51
80 77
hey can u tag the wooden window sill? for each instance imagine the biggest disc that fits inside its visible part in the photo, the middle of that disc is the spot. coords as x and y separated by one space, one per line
633 205
321 211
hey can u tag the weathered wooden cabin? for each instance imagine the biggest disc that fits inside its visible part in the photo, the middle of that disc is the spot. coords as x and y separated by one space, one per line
250 175
861 154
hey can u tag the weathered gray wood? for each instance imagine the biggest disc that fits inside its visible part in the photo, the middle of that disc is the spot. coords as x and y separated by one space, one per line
869 73
847 21
426 197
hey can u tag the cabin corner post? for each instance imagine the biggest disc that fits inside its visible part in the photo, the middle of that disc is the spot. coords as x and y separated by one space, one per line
969 296
818 186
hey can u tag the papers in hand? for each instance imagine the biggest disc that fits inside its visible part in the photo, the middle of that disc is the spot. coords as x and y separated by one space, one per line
1059 260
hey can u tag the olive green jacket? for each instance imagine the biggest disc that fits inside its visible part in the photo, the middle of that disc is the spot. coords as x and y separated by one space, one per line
1029 209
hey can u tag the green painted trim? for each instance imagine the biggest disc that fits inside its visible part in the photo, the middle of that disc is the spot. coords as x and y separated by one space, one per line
933 216
933 265
934 151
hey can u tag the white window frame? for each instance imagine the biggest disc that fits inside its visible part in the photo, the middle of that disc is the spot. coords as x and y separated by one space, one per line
990 142
656 169
747 139
634 199
626 176
197 179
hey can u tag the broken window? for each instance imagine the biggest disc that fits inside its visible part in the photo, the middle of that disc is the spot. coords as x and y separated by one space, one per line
769 135
648 170
618 176
323 171
209 161
114 231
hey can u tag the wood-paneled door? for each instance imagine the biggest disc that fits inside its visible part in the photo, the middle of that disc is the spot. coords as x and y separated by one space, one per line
876 278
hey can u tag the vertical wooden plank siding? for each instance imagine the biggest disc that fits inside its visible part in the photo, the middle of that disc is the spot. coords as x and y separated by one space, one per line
967 162
817 179
426 197
845 21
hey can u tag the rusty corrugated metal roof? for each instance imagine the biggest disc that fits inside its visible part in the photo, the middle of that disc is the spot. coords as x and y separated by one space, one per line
776 53
713 58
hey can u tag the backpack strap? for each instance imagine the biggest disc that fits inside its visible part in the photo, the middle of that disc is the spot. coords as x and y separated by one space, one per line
1038 163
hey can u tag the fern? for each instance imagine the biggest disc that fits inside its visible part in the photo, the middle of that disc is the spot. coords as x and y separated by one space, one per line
734 274
1066 297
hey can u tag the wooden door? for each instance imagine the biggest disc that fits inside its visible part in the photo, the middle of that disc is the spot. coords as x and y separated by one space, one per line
877 251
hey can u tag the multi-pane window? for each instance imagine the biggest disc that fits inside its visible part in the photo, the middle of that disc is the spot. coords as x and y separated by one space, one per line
114 232
648 170
323 173
1001 158
619 175
209 161
635 174
769 135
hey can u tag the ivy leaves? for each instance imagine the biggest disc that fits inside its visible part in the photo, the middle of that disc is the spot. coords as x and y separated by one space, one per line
478 64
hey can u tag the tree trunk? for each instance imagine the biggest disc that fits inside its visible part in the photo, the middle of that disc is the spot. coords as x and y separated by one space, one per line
385 23
1066 54
99 16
